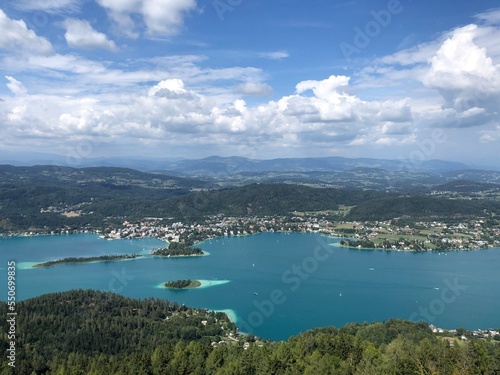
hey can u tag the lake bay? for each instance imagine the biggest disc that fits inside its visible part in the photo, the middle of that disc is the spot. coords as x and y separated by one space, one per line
276 284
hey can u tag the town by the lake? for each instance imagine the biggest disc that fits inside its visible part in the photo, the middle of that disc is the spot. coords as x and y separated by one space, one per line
397 234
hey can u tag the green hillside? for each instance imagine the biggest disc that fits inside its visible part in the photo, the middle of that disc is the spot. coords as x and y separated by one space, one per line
89 332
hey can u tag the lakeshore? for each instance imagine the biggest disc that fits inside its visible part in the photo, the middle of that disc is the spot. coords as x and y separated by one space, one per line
408 250
245 273
398 234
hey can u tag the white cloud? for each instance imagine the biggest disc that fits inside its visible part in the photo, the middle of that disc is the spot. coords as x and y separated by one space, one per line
164 17
254 89
453 81
161 17
15 86
490 136
469 82
66 63
452 69
171 112
16 37
395 111
50 6
80 34
16 114
418 54
277 55
491 17
326 89
178 100
390 141
175 86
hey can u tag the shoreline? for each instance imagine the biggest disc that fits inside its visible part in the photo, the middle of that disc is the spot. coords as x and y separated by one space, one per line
411 251
336 237
230 313
193 284
150 252
203 284
58 262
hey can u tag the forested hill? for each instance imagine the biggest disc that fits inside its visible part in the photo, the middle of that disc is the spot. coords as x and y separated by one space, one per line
269 199
417 207
266 199
44 206
92 177
73 327
88 332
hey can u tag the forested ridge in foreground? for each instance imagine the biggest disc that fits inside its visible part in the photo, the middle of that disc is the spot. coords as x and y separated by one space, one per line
89 332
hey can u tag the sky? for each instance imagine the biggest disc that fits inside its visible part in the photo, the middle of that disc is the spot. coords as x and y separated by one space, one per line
393 79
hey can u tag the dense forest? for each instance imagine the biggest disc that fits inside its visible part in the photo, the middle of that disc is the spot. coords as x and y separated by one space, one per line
178 249
76 260
89 332
182 284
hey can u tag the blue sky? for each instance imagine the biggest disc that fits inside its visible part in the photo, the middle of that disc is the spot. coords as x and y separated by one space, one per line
261 79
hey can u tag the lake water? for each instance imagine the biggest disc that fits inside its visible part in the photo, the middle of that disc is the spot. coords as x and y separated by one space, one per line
276 284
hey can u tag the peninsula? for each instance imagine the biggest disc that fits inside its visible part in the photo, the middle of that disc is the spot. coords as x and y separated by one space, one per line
75 260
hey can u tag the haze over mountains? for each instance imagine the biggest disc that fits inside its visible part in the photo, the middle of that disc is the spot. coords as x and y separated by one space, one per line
217 172
216 165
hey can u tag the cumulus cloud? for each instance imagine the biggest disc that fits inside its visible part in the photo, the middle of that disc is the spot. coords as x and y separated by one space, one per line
254 89
190 103
161 17
169 110
172 89
326 89
80 34
15 36
395 111
454 80
176 85
452 69
469 82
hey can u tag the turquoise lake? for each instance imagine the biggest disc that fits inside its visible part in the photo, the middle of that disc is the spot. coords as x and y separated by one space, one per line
276 284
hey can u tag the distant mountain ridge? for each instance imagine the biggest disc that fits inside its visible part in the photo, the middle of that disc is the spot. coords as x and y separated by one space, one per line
217 165
47 175
217 171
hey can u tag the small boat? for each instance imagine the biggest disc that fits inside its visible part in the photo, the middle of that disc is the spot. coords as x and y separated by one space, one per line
256 293
340 295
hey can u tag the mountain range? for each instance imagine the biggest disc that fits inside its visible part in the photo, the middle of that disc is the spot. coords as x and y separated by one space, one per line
218 165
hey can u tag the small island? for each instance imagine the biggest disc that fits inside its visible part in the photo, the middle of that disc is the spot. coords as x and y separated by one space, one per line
75 260
182 284
178 249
